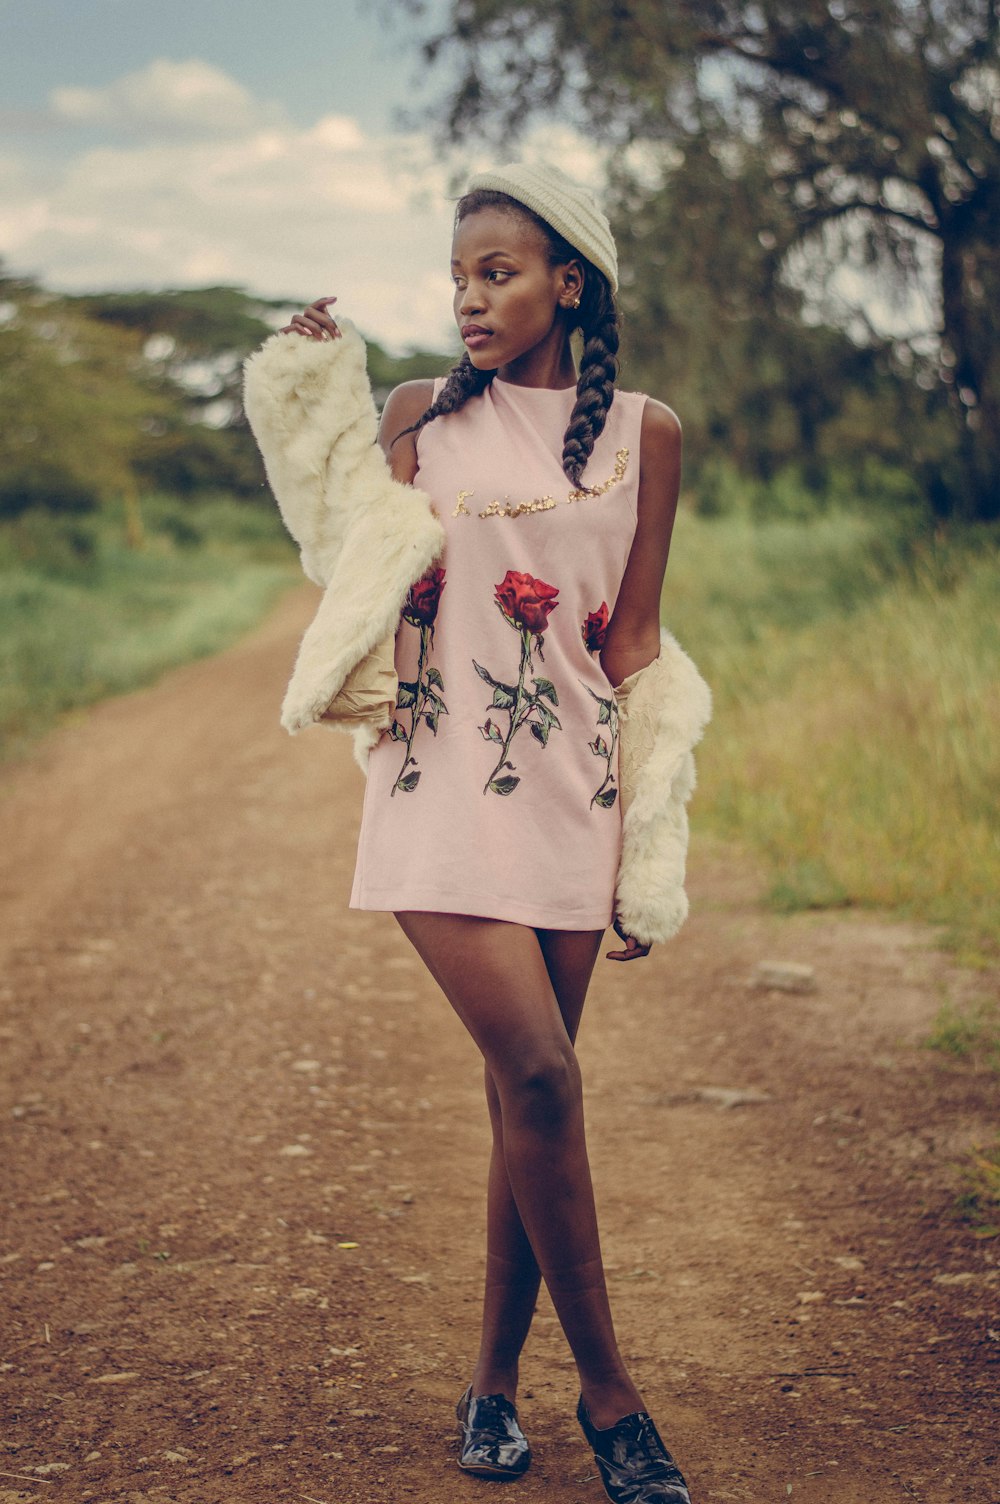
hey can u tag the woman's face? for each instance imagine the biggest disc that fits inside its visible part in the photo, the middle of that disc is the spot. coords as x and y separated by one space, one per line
507 295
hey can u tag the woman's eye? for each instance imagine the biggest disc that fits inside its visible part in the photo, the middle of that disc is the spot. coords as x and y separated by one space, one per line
496 272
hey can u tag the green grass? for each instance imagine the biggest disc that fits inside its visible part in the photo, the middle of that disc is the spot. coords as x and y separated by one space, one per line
968 1033
82 616
854 670
979 1202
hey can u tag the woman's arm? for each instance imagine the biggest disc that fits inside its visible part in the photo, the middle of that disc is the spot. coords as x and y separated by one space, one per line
405 404
633 635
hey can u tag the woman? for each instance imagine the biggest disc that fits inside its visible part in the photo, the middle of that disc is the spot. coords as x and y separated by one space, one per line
492 822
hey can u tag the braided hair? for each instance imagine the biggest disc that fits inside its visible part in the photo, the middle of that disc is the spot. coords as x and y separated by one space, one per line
597 320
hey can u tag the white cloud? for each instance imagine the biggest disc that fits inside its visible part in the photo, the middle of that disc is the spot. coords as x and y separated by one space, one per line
167 98
248 197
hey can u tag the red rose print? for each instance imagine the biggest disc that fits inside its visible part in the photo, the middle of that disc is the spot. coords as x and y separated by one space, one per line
419 697
525 601
595 628
525 604
422 602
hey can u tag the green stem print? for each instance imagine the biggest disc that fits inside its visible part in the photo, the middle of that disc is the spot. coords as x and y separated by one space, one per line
594 631
419 696
607 715
525 604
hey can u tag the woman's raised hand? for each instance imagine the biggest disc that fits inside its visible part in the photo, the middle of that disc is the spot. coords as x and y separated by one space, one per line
315 322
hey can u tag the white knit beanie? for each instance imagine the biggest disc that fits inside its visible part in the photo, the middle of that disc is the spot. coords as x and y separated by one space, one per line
569 208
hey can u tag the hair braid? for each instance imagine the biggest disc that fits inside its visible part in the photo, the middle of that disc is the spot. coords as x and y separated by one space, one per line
462 382
595 389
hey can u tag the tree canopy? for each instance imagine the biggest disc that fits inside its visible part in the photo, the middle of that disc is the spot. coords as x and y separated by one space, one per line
109 394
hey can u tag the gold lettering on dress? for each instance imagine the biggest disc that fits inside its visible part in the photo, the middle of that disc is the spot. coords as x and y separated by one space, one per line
506 508
540 504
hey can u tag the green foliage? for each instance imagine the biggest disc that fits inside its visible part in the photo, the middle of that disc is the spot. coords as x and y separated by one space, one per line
189 458
83 616
202 322
110 393
979 1203
970 1032
75 399
852 662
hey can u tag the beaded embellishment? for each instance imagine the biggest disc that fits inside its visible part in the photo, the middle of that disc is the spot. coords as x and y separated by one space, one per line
544 503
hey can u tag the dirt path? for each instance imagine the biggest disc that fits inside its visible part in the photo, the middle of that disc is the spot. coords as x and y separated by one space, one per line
245 1146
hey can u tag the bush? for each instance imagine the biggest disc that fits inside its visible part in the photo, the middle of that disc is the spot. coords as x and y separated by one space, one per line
44 486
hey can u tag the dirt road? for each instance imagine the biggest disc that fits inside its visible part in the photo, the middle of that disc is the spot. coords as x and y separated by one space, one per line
245 1143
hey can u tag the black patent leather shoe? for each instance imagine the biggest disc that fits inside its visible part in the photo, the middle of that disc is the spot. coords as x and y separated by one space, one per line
493 1444
635 1466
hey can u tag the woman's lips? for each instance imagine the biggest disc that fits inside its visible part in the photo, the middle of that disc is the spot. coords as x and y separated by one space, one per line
474 336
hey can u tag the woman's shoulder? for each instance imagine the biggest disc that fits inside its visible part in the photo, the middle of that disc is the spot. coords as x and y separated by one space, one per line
409 401
404 407
661 427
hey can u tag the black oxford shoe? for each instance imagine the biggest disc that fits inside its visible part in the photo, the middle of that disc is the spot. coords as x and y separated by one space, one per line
635 1466
493 1444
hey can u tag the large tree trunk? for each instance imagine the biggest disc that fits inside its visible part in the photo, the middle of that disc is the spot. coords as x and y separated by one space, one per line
970 303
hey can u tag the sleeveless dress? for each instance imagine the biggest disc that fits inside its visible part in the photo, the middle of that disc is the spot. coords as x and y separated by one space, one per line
495 792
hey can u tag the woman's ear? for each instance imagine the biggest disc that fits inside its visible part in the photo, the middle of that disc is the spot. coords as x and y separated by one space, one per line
572 285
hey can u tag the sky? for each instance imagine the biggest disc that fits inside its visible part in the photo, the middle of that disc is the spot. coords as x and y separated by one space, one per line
168 143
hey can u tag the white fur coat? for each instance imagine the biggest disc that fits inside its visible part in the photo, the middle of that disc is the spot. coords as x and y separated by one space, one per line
363 535
367 538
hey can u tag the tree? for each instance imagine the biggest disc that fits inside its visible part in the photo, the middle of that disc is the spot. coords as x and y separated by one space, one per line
764 387
75 401
876 118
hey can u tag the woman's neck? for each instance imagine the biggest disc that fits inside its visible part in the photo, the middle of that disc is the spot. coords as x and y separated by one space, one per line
549 364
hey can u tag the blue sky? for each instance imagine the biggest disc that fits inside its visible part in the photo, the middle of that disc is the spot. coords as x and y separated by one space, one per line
315 56
161 143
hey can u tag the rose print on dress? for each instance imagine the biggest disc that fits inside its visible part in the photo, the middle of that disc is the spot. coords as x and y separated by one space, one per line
526 605
419 696
594 630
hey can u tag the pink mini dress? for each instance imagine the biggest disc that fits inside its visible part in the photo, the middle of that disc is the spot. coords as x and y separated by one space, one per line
495 792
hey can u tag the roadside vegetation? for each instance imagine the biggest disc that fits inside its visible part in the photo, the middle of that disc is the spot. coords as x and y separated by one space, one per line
83 615
853 659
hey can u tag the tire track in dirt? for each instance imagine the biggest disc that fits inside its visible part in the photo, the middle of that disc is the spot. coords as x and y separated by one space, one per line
216 1078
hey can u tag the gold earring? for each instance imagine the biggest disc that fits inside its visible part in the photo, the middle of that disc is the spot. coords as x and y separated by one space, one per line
576 302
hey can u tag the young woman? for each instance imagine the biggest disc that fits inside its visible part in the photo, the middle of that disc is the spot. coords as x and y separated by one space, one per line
492 826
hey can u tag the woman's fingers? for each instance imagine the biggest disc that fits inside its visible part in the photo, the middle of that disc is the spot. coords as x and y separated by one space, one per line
633 950
314 322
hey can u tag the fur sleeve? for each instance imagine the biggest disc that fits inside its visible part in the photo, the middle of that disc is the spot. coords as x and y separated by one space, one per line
310 408
364 535
664 716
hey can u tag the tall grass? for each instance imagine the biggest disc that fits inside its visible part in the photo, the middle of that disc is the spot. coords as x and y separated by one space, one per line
83 616
857 698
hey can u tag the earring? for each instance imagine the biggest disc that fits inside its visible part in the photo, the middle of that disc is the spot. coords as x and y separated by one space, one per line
576 302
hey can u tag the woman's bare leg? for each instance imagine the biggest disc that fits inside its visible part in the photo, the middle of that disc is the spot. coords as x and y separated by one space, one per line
512 1273
497 979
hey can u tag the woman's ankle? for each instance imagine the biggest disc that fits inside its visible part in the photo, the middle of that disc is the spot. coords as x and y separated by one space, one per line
493 1378
609 1400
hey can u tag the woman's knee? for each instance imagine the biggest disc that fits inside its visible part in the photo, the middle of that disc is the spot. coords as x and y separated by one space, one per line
540 1090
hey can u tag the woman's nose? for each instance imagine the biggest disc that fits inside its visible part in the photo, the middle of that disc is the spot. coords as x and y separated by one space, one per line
471 302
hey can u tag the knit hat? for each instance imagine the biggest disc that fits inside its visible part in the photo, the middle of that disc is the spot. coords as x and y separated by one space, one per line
568 207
